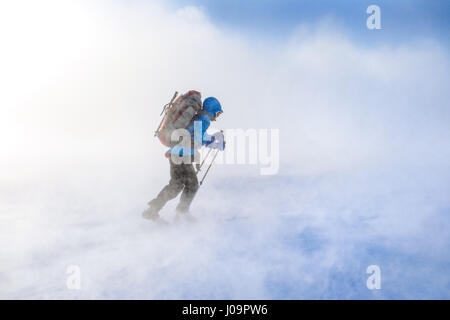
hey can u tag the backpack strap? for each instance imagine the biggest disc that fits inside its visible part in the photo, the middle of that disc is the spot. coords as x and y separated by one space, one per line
199 113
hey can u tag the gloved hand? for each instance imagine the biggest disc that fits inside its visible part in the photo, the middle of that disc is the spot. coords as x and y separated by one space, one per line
218 145
210 142
219 141
221 146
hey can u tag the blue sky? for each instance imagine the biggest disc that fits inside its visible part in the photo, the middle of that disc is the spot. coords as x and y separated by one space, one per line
364 146
402 20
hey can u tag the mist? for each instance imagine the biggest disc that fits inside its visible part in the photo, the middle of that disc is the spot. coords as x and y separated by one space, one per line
363 176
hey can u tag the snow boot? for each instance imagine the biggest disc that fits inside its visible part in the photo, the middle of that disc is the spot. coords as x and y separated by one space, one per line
184 216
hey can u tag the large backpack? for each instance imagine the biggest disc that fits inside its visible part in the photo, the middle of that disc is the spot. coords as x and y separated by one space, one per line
179 115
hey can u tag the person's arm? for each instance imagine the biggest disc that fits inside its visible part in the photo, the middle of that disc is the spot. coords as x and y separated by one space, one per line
206 139
204 122
215 141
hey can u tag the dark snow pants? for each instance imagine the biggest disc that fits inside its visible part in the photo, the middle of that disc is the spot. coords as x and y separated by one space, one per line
182 178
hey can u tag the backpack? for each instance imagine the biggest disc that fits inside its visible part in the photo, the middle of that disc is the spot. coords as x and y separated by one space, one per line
179 114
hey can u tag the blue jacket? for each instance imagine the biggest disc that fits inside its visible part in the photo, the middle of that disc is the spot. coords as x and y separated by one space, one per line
203 138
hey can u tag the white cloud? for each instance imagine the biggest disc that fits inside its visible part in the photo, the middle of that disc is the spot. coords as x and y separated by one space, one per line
83 88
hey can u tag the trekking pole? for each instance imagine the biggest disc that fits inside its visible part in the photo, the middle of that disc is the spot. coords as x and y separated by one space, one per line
164 110
201 182
204 159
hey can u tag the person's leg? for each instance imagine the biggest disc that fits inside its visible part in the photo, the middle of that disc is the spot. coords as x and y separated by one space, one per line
190 188
171 190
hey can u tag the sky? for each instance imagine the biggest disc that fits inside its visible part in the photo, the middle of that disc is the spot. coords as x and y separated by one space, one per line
402 20
364 146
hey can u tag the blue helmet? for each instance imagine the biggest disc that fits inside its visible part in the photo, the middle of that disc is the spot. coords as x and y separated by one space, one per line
212 106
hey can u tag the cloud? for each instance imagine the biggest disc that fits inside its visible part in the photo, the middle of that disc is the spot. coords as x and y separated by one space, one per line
363 150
